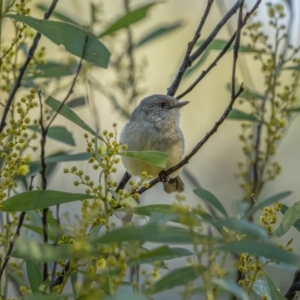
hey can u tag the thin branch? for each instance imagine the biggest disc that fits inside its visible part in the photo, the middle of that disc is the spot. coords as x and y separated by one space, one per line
31 52
215 31
72 85
17 234
187 59
294 288
44 132
220 55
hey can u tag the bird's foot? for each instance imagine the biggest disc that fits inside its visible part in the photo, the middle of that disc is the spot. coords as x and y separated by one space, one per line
163 177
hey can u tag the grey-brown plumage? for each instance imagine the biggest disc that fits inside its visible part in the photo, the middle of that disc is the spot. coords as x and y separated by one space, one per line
154 125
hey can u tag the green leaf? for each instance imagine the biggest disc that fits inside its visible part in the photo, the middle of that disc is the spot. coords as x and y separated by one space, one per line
295 68
158 32
50 70
71 37
275 295
267 202
32 250
231 287
70 115
216 44
52 232
61 134
151 232
47 297
236 114
160 253
247 93
76 102
211 199
296 225
57 14
290 217
126 292
177 277
62 158
258 248
261 288
40 199
34 275
241 226
294 109
129 18
156 158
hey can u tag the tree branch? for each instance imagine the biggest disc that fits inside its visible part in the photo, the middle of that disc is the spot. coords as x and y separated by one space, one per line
187 59
220 55
17 234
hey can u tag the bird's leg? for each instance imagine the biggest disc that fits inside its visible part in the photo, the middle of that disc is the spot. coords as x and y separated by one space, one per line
163 177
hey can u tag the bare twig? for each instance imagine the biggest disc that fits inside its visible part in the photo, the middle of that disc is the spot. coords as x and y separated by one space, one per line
44 132
17 234
31 52
294 288
220 55
187 59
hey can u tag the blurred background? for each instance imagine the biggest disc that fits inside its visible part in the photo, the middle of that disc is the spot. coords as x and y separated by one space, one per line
214 166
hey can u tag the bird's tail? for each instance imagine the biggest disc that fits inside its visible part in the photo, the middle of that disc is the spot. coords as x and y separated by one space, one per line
174 185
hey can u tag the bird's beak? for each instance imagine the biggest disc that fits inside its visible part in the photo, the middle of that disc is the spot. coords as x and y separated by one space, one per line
180 104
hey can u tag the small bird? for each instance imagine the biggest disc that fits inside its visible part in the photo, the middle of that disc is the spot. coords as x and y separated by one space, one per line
154 126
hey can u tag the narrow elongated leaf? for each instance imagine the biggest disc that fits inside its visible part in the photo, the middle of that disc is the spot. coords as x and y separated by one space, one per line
58 14
151 232
258 248
156 158
275 295
267 202
261 288
294 109
76 102
236 114
32 250
50 70
158 32
40 199
241 226
231 287
129 18
62 158
289 219
126 292
71 37
47 297
160 253
34 275
216 44
296 68
247 93
211 199
284 209
61 134
52 232
177 277
70 115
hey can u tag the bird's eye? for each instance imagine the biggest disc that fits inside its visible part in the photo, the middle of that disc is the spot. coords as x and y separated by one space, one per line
162 104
